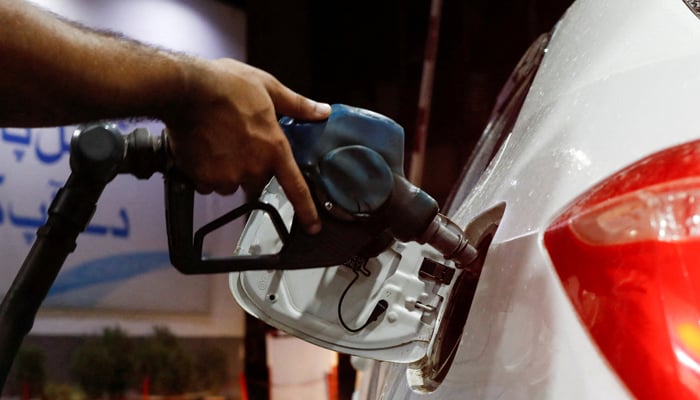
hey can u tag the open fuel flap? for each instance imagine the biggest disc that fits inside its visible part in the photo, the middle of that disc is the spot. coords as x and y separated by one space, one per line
391 307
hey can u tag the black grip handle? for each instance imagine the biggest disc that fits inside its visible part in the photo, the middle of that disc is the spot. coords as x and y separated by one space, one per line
186 249
353 163
337 243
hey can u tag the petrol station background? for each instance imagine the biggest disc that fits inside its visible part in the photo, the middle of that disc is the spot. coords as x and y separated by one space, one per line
368 54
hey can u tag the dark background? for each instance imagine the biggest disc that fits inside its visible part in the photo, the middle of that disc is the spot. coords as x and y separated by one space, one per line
370 54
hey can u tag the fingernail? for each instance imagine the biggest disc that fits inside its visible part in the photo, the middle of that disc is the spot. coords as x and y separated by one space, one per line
323 108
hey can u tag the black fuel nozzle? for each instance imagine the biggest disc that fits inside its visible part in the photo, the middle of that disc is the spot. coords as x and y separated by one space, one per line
415 216
450 240
354 165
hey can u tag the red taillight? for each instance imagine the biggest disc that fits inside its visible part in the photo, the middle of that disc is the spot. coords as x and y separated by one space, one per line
628 255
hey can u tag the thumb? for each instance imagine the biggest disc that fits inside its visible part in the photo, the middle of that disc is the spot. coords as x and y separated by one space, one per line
291 103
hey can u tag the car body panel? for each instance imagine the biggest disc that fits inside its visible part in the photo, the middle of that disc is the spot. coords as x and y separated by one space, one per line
618 82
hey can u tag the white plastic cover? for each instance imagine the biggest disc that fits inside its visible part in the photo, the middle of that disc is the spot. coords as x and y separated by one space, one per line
305 302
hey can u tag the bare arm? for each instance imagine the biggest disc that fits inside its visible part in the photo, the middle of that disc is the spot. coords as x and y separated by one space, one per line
58 72
221 114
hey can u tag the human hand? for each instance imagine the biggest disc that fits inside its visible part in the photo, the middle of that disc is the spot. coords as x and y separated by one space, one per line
226 133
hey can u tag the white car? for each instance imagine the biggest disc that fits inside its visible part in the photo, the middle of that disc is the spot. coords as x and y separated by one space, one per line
583 198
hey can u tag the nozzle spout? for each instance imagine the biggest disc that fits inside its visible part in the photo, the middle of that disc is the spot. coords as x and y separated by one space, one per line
450 240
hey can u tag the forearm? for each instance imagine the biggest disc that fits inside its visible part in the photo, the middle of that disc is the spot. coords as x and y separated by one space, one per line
55 72
220 114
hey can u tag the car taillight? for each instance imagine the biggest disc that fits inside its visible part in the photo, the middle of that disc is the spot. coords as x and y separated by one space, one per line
628 255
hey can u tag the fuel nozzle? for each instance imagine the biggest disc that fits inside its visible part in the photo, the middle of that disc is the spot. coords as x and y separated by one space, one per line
354 165
449 239
414 216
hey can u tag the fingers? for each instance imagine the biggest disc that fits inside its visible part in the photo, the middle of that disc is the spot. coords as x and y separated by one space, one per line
222 186
297 191
234 138
290 103
203 188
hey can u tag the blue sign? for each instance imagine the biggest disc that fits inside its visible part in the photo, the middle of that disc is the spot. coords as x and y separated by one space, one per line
121 260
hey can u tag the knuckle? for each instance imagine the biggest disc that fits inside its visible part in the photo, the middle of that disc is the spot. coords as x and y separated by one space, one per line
279 144
201 175
220 180
203 189
227 189
257 169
